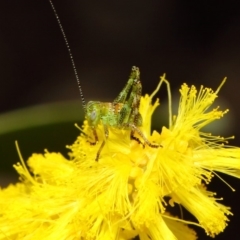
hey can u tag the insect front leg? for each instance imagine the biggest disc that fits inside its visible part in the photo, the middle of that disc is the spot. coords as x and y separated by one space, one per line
106 132
95 137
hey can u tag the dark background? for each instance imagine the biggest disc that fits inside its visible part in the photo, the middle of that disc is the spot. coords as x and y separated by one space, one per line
197 42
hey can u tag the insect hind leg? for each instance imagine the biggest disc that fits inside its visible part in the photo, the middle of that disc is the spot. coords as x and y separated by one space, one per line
129 112
135 129
133 137
134 76
140 133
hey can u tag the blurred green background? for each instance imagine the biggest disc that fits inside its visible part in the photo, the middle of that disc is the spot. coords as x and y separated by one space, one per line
36 128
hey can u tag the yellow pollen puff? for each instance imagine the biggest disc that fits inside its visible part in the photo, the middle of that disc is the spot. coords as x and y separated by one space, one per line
135 172
125 193
181 146
142 162
138 182
130 188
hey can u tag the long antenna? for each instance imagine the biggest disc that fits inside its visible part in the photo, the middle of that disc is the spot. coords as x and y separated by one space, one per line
70 54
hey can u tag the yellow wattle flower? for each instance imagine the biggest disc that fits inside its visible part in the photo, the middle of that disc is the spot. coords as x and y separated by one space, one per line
132 188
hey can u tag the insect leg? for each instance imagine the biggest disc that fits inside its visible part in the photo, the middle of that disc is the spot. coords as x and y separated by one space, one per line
95 137
96 140
103 142
134 103
135 138
99 150
135 75
129 112
135 129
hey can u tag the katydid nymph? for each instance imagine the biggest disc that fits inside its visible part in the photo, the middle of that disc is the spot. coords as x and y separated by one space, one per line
122 113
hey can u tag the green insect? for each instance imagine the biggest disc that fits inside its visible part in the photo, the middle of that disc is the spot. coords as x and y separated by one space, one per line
122 113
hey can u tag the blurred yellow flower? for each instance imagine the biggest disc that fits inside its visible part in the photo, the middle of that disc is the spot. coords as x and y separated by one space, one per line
131 190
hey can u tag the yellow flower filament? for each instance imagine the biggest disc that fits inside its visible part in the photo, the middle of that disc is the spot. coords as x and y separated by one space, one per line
127 191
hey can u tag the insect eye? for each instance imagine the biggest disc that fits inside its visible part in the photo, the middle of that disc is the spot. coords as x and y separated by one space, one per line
93 115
